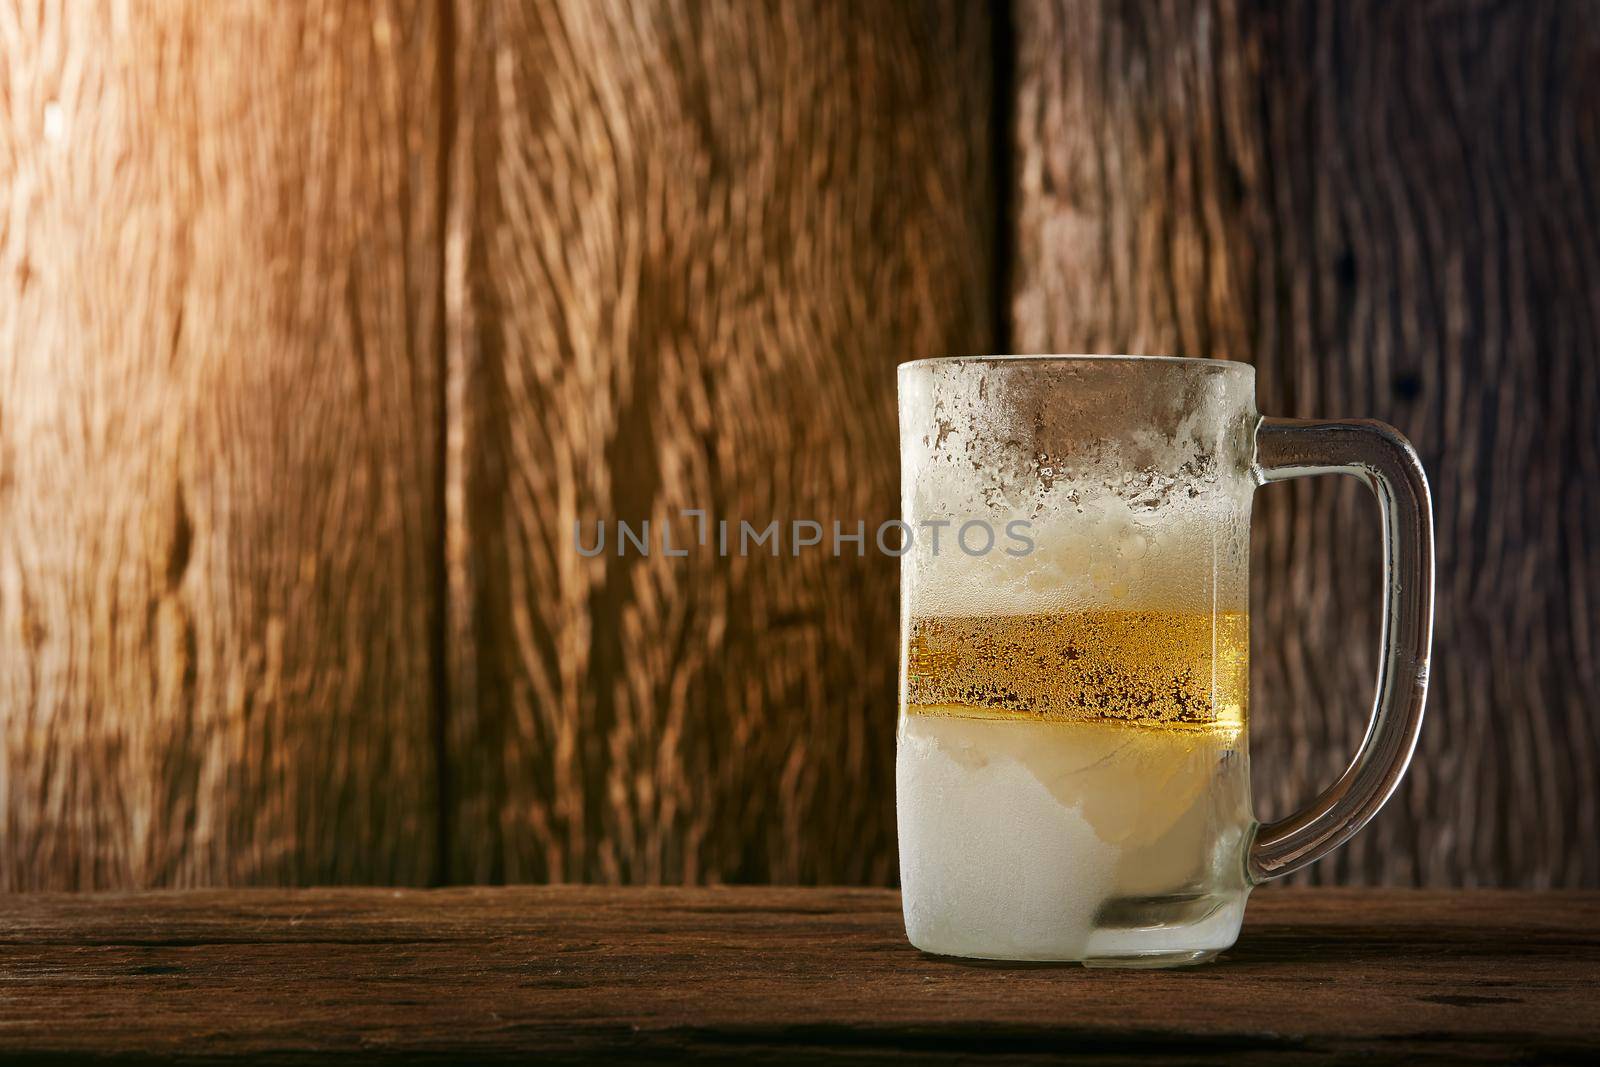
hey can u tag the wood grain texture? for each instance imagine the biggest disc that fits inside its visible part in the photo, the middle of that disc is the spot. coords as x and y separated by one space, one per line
263 618
588 974
218 446
1393 211
689 243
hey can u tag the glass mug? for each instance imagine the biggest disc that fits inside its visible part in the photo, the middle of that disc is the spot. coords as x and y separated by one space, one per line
1072 769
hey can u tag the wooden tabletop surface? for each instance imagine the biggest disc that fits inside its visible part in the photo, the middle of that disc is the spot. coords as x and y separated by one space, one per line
444 975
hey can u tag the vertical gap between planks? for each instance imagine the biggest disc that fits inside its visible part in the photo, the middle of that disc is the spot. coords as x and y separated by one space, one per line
438 558
1002 146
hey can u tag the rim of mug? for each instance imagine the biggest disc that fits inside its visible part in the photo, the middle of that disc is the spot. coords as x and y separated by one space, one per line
1219 364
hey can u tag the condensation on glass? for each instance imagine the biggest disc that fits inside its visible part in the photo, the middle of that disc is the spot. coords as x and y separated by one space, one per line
1072 762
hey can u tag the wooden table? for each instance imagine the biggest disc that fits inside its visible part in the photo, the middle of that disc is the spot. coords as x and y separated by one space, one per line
575 973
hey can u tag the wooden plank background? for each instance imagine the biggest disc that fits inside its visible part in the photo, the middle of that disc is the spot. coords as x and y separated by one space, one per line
693 241
219 421
324 322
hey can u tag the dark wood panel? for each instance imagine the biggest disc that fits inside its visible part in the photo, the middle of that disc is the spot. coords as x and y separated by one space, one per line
218 408
1392 211
580 974
692 242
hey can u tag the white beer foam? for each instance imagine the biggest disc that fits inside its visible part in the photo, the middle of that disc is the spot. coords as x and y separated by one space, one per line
1106 556
991 863
1120 517
1014 834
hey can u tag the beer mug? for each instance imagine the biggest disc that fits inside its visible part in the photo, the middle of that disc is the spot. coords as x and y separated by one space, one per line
1072 767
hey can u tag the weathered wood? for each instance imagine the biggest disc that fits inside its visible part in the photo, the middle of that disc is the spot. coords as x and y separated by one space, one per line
219 294
692 242
568 974
252 598
1392 211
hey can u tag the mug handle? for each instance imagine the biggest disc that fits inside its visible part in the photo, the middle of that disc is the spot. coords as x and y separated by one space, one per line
1381 457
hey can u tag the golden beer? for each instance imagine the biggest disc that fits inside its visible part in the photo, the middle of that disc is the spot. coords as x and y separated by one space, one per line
1179 670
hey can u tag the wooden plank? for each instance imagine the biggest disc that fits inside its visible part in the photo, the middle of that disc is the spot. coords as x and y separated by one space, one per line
689 244
219 283
491 975
1391 210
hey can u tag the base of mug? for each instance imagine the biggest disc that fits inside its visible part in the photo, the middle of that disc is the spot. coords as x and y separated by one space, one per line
1130 932
1155 960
